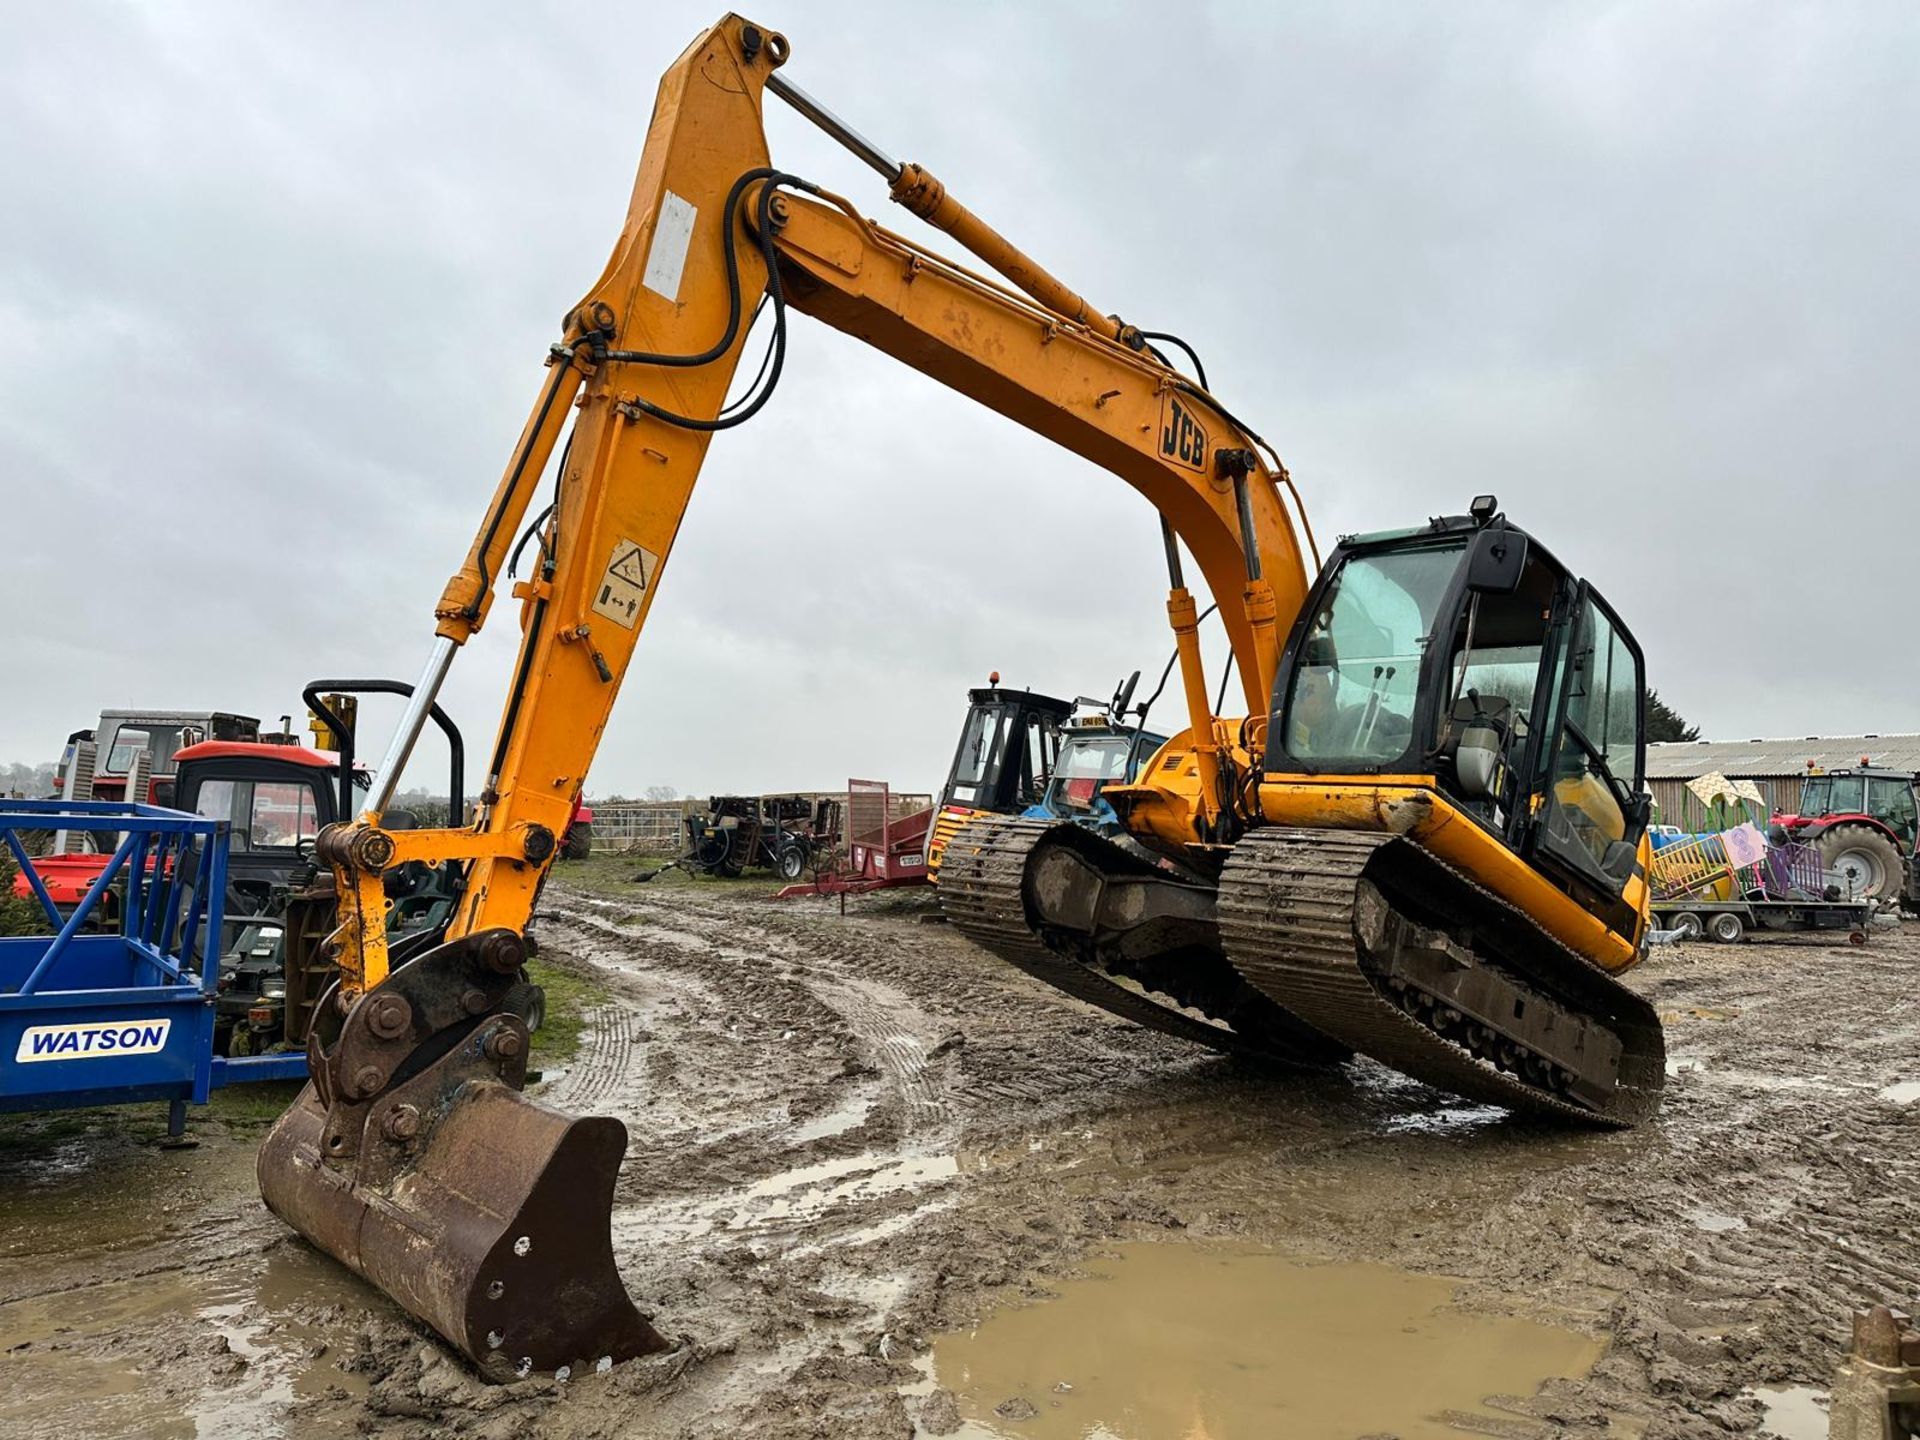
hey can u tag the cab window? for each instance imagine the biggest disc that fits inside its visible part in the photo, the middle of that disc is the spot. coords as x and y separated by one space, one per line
1813 795
978 747
1605 699
1595 764
264 815
1847 795
1892 801
1043 742
1357 674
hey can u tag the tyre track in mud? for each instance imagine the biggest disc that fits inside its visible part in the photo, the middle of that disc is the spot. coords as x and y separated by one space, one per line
870 1011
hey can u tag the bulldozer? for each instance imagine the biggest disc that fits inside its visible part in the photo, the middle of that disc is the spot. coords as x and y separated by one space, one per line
1005 758
1420 839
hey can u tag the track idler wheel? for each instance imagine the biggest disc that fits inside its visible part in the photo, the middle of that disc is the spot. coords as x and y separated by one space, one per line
413 1159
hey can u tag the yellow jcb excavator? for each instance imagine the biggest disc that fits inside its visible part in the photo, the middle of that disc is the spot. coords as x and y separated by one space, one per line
1423 841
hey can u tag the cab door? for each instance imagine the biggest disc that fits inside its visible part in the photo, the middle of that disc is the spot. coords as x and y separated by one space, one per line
1590 813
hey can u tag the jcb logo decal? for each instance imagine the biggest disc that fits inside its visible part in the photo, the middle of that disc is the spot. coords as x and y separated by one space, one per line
1183 439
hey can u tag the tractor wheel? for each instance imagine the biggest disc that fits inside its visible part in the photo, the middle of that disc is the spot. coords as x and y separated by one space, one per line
793 861
1869 861
1688 926
1726 927
579 844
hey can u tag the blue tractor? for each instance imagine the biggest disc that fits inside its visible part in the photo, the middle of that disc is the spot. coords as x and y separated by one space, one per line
1098 748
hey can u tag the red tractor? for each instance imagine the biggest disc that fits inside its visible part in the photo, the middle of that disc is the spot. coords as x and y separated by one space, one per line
1863 821
276 796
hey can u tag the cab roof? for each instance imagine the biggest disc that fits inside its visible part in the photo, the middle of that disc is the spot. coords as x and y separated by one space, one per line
1007 695
254 750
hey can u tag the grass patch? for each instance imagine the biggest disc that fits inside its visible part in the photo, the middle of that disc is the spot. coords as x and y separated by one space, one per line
30 1130
612 876
606 874
569 996
251 1106
241 1110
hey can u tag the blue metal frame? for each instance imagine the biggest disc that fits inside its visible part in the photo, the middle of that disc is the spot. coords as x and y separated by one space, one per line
111 1018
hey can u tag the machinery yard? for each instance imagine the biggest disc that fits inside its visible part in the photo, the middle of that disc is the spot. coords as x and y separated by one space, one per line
1381 1015
858 1138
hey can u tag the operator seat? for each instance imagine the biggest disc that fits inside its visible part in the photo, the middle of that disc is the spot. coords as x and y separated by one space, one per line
1475 747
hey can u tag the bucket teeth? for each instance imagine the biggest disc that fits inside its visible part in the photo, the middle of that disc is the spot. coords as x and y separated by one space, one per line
479 1211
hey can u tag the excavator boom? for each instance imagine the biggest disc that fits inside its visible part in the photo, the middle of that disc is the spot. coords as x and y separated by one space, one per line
478 1227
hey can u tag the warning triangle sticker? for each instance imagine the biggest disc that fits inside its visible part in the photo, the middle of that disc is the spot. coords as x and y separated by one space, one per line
630 566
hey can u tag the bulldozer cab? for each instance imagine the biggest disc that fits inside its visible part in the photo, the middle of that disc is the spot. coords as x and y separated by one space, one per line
1463 655
1007 750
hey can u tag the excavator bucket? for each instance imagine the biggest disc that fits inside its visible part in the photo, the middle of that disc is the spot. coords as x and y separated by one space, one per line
413 1159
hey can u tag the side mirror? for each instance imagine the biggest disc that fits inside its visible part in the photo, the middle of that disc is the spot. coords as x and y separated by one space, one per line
1495 562
1123 697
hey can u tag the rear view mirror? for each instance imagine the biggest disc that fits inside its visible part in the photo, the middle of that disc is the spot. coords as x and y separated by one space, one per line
1124 697
1496 561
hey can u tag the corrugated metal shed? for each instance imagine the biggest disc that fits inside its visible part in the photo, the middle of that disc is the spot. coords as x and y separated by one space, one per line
1738 759
1776 766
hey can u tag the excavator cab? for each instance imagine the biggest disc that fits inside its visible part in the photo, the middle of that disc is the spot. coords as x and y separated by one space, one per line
1454 782
1463 651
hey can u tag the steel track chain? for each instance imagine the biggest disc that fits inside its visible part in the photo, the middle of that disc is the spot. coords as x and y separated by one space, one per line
1286 919
981 888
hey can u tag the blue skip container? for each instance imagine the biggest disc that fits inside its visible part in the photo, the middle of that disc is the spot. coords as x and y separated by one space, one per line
127 1015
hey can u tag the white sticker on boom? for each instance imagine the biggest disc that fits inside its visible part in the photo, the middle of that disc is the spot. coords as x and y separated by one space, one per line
623 588
96 1040
667 256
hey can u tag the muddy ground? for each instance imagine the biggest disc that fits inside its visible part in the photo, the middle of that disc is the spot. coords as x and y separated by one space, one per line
854 1133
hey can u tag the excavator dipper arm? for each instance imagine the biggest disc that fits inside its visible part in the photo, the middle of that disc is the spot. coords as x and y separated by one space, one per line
412 1156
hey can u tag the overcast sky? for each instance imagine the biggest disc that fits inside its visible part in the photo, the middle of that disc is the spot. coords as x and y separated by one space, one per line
276 282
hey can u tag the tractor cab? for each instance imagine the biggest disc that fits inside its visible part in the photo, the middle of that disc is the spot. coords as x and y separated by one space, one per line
1006 755
1863 821
1463 659
1887 798
276 796
275 800
1095 752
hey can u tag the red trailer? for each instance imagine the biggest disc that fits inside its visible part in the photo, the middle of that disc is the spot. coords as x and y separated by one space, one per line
882 850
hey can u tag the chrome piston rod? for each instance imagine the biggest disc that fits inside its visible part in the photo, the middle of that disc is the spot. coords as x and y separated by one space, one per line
869 152
386 780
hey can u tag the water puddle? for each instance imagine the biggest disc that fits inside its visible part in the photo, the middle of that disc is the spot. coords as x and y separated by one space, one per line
808 1191
850 1114
139 1356
1904 1093
1231 1342
1754 1079
1794 1412
1715 1223
1447 1120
